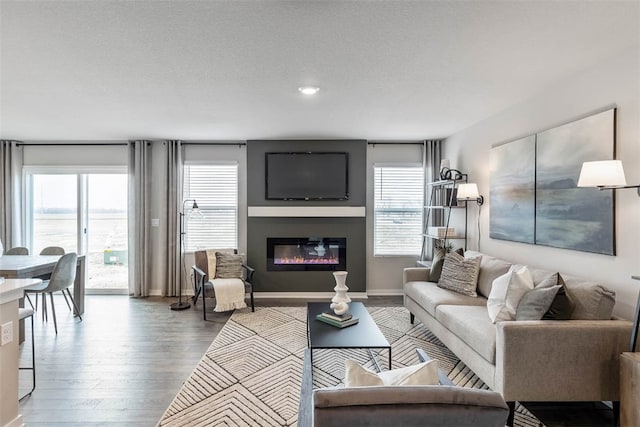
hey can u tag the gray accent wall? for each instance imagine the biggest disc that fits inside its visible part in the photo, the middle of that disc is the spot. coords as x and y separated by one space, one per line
353 228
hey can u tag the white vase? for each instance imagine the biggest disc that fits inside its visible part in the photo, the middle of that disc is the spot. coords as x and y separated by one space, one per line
340 301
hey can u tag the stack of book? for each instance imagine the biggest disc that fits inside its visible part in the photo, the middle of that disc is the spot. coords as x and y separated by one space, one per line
339 321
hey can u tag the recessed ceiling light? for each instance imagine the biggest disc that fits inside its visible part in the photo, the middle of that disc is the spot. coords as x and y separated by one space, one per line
309 90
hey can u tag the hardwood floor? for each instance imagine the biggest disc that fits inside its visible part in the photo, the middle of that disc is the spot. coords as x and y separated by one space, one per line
124 363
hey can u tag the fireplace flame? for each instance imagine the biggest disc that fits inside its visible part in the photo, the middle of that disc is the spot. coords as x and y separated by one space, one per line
303 260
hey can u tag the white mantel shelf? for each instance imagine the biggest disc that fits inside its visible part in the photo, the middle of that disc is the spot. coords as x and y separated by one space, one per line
307 211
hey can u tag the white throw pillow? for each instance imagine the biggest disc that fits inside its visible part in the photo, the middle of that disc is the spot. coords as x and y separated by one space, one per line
425 373
507 291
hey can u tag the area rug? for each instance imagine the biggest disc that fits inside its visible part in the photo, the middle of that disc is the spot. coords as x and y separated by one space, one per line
251 373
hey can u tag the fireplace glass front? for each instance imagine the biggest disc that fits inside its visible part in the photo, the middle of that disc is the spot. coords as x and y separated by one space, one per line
306 253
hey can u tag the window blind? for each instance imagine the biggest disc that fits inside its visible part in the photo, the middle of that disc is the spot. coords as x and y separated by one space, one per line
398 207
215 189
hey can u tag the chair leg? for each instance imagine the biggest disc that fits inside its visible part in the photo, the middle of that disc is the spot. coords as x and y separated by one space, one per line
204 305
253 308
33 361
66 300
512 413
53 311
29 299
75 306
45 317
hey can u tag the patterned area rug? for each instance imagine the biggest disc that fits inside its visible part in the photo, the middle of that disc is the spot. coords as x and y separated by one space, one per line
250 376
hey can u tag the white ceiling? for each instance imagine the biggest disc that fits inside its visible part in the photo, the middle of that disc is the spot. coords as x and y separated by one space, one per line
229 69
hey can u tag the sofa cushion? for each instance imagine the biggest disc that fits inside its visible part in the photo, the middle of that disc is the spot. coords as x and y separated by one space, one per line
460 274
592 300
490 268
430 296
471 325
425 373
561 307
436 263
506 293
536 302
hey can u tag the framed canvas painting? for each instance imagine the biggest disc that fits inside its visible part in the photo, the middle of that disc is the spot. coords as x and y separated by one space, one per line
512 191
567 216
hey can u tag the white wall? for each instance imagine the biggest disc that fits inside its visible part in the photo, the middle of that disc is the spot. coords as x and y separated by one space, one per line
384 273
615 82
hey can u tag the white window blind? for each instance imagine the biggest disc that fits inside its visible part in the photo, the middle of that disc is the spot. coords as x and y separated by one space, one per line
215 189
398 210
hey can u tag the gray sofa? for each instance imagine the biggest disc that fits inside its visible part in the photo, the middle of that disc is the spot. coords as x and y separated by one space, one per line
429 405
543 360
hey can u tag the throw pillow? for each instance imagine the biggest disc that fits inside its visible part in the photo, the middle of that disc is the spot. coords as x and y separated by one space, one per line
561 307
506 293
460 274
228 266
436 263
535 303
425 373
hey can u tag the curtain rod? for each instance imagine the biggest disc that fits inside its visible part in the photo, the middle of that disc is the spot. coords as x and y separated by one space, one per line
395 143
57 144
214 143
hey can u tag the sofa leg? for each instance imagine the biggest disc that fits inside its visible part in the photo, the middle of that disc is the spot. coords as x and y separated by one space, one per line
512 412
616 413
412 318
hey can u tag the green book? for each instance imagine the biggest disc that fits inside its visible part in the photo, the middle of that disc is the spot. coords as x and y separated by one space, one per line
339 318
336 323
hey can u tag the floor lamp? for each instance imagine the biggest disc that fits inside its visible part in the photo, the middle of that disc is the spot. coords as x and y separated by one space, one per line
180 305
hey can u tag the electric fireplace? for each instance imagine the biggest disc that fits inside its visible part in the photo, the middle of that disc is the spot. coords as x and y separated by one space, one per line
306 253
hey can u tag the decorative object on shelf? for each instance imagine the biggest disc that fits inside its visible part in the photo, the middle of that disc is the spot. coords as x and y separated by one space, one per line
445 165
180 305
340 301
451 174
468 192
605 175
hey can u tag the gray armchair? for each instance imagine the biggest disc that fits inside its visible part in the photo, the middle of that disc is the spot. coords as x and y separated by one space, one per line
429 405
18 250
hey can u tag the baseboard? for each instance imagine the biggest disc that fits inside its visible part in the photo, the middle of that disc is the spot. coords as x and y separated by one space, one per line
16 422
305 295
106 291
385 292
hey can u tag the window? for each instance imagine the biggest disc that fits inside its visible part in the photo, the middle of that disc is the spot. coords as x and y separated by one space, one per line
215 189
398 207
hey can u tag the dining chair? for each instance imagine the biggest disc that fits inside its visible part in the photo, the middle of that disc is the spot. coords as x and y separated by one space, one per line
18 250
23 313
62 277
52 250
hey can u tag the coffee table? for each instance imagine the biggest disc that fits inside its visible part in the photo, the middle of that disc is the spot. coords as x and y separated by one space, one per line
365 334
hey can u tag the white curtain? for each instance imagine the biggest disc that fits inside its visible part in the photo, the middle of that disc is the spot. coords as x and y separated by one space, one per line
174 264
139 217
10 193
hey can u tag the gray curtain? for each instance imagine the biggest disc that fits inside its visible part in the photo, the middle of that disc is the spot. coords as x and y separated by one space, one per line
174 264
140 261
10 193
431 162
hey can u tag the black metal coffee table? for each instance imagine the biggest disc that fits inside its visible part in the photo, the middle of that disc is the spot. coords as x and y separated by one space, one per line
365 334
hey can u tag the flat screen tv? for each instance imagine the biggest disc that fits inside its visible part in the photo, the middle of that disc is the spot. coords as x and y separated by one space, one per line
307 176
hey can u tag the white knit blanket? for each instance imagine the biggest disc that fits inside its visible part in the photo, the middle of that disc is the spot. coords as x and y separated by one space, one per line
229 294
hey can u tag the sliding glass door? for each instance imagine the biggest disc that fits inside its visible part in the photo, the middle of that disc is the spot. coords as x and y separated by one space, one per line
84 213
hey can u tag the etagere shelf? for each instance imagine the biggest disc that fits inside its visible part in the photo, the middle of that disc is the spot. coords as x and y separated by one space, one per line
442 201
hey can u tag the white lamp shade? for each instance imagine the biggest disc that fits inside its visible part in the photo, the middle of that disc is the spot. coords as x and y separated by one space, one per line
468 192
602 173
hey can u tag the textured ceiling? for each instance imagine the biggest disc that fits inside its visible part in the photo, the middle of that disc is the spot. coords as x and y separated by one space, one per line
394 70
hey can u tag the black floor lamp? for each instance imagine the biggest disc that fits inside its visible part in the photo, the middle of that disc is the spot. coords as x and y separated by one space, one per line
183 305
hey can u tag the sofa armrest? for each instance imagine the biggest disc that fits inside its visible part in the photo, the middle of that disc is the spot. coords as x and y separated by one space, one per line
570 360
415 274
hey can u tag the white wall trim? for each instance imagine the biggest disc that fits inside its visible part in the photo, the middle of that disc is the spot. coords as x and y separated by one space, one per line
385 292
305 295
307 211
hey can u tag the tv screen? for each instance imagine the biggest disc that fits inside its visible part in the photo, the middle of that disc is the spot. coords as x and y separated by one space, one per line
307 176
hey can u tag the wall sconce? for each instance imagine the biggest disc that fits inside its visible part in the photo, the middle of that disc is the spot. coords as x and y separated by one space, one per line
467 192
605 175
